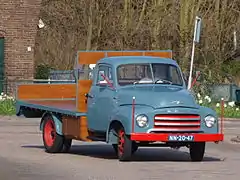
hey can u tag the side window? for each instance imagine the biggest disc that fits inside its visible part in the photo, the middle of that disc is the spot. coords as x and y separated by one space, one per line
175 76
106 71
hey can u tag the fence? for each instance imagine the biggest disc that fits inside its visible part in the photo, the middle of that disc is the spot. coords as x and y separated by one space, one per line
67 75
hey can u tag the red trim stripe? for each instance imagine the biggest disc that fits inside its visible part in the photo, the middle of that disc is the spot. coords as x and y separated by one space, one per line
222 115
178 116
178 122
177 127
164 137
133 113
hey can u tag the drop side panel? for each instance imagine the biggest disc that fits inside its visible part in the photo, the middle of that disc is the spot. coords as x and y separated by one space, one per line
83 88
75 127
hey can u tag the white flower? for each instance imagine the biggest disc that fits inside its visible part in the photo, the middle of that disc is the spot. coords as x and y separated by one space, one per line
206 97
200 101
209 100
4 97
231 103
9 97
198 95
237 109
217 105
225 105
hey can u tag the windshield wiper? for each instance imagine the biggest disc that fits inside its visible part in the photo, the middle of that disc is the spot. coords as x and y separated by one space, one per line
144 81
163 80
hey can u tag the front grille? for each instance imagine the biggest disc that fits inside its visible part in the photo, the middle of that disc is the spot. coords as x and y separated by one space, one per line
177 122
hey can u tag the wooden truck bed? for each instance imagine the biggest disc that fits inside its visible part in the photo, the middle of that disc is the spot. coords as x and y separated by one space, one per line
67 99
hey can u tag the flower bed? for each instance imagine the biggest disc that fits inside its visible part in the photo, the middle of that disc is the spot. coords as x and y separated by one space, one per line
230 108
7 105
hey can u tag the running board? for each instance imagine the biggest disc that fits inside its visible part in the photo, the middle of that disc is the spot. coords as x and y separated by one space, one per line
94 138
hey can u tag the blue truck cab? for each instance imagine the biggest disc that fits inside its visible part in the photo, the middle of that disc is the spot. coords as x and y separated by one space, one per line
145 100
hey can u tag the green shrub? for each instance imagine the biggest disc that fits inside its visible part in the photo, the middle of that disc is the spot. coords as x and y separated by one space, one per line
42 71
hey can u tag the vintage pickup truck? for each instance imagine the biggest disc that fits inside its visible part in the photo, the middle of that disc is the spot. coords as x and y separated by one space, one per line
128 99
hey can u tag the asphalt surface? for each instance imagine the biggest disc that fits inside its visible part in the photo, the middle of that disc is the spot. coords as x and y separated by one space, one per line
22 157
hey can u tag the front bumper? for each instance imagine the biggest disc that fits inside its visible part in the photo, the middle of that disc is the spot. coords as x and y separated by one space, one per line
196 137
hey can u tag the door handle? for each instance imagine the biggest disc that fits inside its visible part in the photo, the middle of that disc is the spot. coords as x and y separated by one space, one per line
88 95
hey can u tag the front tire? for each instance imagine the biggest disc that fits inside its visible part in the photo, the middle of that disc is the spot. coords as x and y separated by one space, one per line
124 146
197 151
134 147
53 142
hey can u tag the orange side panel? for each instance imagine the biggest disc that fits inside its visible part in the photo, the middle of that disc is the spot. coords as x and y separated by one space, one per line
109 54
159 54
46 91
75 127
83 88
90 57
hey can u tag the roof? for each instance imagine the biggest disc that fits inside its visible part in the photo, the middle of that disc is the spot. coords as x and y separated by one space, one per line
119 60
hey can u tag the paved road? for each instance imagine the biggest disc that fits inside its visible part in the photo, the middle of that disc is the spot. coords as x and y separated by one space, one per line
22 157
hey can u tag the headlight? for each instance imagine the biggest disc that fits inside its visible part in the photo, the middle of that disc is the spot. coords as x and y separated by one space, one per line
210 121
142 120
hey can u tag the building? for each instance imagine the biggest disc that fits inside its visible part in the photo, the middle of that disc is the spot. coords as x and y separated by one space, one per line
18 27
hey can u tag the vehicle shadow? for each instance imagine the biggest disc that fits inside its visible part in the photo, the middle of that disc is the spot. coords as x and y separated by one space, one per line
143 154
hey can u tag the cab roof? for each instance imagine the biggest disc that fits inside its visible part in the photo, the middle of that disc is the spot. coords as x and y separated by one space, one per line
119 60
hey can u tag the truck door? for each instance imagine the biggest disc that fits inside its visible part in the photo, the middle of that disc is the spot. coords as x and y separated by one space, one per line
101 102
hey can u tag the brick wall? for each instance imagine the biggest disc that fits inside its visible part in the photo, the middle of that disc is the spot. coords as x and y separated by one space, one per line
18 25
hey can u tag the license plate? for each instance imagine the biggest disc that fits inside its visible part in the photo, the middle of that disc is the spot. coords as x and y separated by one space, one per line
181 138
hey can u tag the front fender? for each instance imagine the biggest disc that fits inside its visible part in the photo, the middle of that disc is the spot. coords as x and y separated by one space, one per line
124 115
57 122
205 111
208 111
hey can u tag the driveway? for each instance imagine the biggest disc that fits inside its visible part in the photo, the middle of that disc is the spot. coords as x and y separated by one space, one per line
23 158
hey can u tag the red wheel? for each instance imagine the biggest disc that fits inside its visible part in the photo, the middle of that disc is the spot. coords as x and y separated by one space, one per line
53 142
121 142
50 133
124 146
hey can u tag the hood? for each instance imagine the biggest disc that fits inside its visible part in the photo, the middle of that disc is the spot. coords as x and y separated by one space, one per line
158 96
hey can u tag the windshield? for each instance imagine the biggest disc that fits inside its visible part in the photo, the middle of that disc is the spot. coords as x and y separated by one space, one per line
157 73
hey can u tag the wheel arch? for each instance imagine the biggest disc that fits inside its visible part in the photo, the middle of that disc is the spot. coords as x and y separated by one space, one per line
57 121
111 135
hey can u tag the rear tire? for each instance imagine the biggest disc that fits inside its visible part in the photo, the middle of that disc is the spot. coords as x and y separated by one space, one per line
67 145
124 146
197 151
52 141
